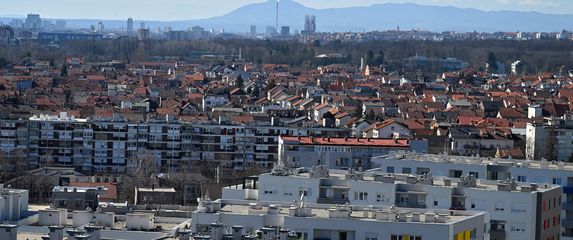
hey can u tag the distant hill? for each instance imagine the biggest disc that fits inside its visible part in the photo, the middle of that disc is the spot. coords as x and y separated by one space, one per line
376 17
389 16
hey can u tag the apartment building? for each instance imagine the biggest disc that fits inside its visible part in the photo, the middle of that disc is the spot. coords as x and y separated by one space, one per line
234 219
551 141
517 210
340 152
540 172
115 145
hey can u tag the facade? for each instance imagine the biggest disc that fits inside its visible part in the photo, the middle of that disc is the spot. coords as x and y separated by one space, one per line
517 210
235 219
130 27
550 141
155 195
253 30
77 198
285 31
55 37
211 101
118 146
13 204
309 24
339 153
33 22
540 172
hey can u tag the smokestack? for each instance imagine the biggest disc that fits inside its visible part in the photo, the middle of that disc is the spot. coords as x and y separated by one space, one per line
277 17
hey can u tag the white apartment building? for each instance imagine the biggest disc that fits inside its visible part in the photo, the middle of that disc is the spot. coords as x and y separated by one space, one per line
540 172
235 219
552 141
340 152
517 210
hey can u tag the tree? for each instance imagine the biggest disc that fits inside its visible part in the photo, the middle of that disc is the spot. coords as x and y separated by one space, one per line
64 71
380 58
239 82
492 62
371 115
370 57
255 92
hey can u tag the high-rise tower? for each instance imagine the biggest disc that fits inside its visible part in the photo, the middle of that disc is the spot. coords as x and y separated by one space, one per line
130 27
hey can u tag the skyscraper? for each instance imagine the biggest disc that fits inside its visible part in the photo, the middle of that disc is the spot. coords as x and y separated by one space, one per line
130 27
309 24
253 30
33 21
285 30
100 27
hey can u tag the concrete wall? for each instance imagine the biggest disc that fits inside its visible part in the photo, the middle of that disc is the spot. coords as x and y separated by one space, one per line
53 217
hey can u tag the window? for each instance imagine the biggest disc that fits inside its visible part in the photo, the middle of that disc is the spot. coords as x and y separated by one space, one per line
371 236
435 203
379 198
363 196
269 190
475 174
499 206
557 181
522 178
406 170
404 237
455 173
517 227
390 169
517 207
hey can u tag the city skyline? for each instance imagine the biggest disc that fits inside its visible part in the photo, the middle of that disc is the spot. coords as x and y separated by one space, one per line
189 10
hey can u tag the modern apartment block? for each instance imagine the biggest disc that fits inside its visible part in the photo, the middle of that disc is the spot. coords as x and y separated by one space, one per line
540 172
552 141
233 219
517 210
340 153
116 145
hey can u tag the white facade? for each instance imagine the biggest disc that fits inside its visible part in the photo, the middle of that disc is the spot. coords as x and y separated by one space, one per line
540 172
551 141
509 203
13 204
53 217
140 221
311 221
214 101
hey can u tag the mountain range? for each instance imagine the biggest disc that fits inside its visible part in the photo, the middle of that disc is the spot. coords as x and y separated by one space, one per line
375 17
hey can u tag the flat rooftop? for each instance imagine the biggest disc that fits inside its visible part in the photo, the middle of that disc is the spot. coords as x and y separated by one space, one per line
441 158
377 175
359 213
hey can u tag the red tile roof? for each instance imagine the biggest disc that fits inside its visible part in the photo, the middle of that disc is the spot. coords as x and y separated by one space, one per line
372 142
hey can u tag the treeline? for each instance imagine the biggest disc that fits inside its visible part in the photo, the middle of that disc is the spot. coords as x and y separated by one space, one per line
538 56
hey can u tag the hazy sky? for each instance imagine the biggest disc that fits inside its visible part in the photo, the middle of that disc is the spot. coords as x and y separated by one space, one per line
194 9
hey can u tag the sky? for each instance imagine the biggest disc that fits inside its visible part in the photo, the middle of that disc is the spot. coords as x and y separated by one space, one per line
166 10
